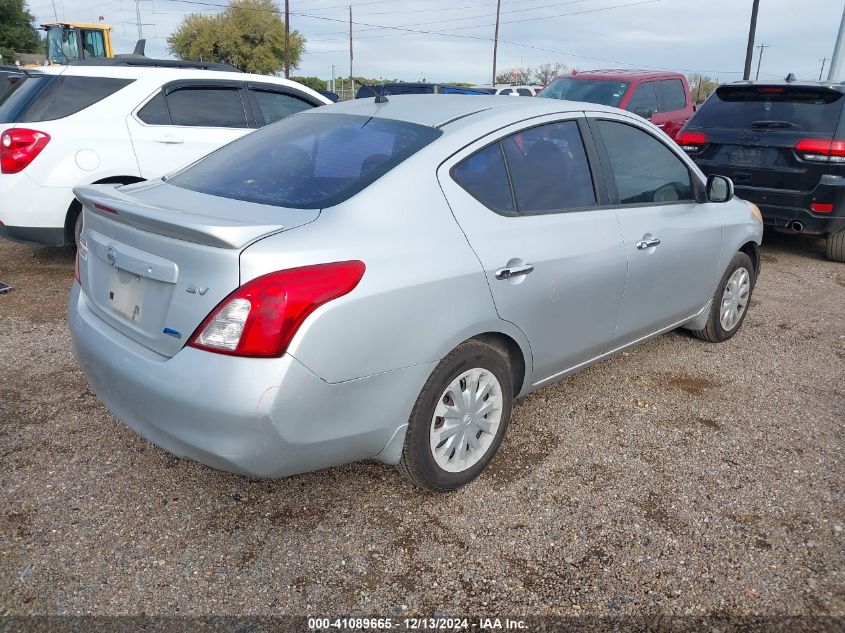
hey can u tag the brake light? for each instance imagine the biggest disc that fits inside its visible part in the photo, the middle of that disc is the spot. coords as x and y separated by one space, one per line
768 90
821 207
260 318
19 147
821 150
691 141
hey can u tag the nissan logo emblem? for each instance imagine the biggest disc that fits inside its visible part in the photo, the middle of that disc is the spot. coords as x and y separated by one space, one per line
111 255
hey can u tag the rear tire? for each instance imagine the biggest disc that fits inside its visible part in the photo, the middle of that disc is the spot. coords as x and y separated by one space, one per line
836 246
77 228
730 305
459 419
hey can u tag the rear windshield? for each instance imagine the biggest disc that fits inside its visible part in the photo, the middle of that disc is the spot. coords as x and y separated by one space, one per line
306 161
50 97
604 91
769 107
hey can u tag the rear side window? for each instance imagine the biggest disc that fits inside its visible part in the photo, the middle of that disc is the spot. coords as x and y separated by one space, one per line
207 107
525 92
644 169
644 98
275 106
485 177
673 95
802 109
54 97
549 169
307 162
155 111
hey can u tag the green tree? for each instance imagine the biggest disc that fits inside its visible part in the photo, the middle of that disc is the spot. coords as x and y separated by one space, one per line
248 34
315 83
544 73
701 87
16 32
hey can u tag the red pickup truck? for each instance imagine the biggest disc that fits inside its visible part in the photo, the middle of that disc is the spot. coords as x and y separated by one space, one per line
662 97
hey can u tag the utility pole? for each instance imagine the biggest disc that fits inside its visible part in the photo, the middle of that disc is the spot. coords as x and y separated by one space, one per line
496 41
821 72
836 61
138 19
762 47
287 38
351 81
749 51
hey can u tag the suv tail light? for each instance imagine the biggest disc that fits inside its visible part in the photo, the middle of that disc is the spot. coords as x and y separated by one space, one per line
821 150
691 141
19 147
260 318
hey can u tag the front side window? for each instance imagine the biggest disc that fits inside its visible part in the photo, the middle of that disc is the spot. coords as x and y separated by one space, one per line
275 106
644 169
674 95
310 161
644 99
207 107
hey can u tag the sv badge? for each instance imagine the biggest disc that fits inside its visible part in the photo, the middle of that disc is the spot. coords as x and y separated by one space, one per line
195 289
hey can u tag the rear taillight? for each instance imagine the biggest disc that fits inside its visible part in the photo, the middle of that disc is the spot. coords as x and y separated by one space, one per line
691 141
81 255
821 207
261 317
821 150
19 147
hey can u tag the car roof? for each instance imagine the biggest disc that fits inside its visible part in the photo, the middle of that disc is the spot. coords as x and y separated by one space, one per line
622 73
441 110
162 75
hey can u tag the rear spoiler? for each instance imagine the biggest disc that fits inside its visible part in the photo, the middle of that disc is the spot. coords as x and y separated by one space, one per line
107 201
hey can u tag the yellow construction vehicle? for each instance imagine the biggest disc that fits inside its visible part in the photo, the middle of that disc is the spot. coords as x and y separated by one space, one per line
75 41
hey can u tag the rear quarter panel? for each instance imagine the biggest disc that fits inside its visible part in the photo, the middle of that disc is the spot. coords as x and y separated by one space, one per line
423 292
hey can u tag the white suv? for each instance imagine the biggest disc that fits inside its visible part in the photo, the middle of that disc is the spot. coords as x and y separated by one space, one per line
119 121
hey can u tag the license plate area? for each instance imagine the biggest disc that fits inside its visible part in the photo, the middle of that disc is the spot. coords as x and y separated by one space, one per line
126 294
746 157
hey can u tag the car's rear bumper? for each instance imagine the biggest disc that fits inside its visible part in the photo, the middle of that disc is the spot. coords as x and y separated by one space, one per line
781 209
263 417
30 212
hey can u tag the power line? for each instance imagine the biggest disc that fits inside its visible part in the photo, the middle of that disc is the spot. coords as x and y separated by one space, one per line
470 37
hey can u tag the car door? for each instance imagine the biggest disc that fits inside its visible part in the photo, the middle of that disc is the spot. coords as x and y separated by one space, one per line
185 121
554 259
672 242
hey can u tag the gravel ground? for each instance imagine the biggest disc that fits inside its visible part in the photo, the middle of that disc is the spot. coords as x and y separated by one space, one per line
677 478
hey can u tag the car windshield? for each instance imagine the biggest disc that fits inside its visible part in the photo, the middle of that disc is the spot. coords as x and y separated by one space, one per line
805 109
306 161
603 91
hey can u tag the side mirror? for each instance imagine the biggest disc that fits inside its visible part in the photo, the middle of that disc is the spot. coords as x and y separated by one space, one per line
644 112
719 188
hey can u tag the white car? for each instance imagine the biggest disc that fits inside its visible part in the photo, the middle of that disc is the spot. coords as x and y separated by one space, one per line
518 91
119 121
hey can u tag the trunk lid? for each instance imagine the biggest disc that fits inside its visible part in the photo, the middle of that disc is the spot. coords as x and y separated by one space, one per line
157 259
752 131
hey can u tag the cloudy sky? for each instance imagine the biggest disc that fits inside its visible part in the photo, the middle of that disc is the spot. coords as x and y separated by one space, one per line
451 40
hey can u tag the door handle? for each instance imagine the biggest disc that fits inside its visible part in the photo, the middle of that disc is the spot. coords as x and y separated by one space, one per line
169 139
647 242
514 271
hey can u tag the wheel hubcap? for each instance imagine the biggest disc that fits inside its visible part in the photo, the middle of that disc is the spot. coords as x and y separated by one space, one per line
466 420
735 299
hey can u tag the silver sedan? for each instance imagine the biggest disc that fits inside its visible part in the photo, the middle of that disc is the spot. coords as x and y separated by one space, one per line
385 279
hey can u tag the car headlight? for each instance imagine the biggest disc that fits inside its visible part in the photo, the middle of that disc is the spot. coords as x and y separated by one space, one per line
756 211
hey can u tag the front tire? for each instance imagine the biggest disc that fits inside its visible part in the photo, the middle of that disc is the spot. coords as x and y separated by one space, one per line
836 246
459 419
730 301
